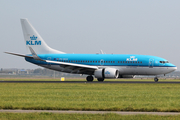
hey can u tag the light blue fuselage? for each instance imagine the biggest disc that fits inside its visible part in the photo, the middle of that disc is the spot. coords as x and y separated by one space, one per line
126 64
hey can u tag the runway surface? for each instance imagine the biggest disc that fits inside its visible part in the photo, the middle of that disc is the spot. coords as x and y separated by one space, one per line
90 112
95 82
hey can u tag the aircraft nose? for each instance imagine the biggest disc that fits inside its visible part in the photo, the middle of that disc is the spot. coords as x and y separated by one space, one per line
175 68
172 67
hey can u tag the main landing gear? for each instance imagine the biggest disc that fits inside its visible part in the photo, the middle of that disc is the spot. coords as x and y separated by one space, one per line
100 79
156 79
90 78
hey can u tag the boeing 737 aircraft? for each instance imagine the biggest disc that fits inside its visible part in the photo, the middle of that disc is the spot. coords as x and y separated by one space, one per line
100 66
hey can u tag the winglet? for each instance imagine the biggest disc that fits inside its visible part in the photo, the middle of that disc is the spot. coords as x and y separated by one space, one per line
34 54
101 52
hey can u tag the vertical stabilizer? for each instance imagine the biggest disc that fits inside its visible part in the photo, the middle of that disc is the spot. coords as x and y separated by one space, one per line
34 40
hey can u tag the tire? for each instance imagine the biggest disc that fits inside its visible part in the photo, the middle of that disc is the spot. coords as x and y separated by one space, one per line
156 79
89 78
100 79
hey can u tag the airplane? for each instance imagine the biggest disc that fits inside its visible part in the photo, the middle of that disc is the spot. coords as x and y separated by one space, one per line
101 66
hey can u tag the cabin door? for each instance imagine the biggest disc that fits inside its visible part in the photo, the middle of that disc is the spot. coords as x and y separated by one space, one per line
151 62
101 62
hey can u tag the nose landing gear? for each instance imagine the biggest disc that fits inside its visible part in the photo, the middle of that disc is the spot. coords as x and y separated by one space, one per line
156 79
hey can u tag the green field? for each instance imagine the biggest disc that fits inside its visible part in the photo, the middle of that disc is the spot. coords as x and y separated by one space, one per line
52 116
85 96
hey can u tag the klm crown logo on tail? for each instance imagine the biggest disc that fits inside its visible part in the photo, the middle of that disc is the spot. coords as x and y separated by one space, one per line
33 41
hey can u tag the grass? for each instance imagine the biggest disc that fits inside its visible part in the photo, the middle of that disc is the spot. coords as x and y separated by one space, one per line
52 116
111 97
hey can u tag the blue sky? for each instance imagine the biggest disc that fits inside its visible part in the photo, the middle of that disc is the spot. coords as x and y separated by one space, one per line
147 27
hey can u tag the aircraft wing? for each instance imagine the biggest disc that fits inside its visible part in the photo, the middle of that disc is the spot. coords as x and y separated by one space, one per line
72 64
75 68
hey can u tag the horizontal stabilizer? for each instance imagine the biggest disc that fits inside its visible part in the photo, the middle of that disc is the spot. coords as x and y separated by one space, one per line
17 54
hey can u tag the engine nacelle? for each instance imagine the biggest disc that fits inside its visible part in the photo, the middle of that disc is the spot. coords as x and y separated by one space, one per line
126 76
106 73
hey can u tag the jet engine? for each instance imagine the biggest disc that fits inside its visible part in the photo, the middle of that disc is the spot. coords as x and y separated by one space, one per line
106 73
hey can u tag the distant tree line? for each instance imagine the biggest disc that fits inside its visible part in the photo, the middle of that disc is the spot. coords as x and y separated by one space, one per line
45 71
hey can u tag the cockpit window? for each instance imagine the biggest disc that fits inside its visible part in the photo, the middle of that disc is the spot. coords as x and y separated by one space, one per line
163 62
